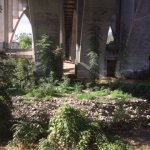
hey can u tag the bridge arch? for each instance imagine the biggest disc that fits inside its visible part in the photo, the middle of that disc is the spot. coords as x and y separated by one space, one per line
11 35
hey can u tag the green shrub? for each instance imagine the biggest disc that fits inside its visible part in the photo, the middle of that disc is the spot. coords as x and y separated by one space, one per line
65 128
64 85
46 87
50 56
78 87
26 132
71 130
93 62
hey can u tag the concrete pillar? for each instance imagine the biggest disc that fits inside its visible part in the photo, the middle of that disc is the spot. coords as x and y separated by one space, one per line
10 20
125 15
15 9
80 10
20 7
46 19
97 13
136 57
2 25
15 12
24 4
74 37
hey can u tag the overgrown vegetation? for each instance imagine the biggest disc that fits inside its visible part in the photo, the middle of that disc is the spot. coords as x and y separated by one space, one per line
69 128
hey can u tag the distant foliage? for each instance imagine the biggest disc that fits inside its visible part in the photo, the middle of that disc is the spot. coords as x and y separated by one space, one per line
25 41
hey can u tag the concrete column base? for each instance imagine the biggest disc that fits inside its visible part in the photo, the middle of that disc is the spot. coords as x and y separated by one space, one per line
82 72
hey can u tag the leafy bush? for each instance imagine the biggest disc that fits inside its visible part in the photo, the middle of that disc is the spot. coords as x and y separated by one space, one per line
78 87
50 56
47 87
65 128
64 85
93 62
71 130
26 132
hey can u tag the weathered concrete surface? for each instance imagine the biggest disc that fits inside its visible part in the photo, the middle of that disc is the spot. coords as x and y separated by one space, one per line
136 60
73 38
96 13
2 31
45 18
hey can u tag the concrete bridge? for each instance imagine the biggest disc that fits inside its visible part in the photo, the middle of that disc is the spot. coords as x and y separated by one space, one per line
68 23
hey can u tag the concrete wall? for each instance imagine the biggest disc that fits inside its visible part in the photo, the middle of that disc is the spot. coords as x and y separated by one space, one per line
74 37
137 53
45 18
96 13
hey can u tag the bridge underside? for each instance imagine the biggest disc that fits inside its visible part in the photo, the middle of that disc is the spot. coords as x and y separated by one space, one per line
69 24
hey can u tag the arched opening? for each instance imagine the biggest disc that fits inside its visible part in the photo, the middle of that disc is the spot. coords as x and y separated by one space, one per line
110 37
111 54
22 37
